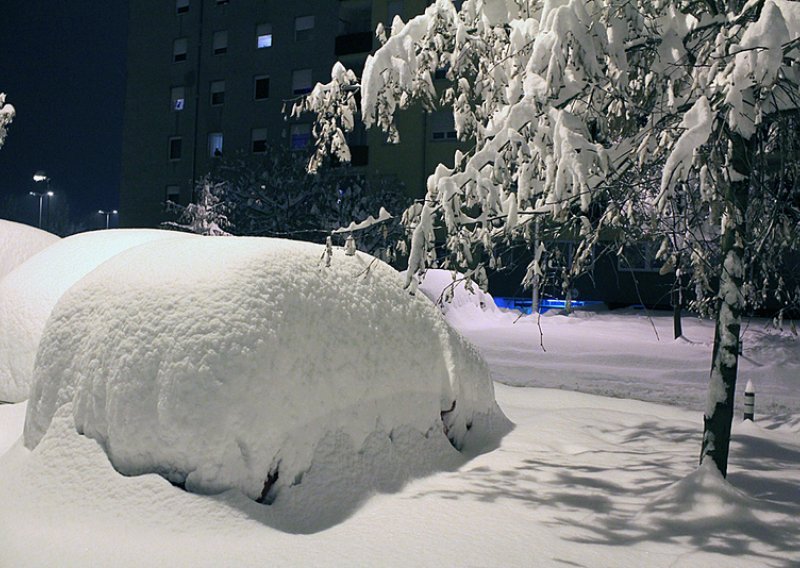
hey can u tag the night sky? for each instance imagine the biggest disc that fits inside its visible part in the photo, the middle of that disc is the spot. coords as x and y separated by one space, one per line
62 66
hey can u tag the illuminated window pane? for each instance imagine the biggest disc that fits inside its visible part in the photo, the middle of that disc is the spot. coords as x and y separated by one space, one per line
215 144
263 36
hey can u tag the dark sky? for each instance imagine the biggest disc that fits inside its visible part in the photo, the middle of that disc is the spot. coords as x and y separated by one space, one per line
62 66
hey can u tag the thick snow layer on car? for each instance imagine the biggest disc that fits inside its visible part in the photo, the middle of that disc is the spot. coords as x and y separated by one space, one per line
19 242
28 294
250 364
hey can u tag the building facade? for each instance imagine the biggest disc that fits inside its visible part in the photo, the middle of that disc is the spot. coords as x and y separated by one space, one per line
212 78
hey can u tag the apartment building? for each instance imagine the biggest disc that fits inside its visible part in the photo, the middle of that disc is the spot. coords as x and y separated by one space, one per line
210 78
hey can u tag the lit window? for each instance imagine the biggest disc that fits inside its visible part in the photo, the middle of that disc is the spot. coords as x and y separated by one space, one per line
173 193
180 47
177 99
181 6
175 144
301 81
259 140
220 42
442 125
263 36
260 87
217 92
300 136
303 28
215 144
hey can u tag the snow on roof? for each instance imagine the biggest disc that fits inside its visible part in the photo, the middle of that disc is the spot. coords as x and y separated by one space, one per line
28 294
240 363
19 242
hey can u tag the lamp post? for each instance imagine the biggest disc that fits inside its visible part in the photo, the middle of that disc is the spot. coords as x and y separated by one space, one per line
108 214
40 176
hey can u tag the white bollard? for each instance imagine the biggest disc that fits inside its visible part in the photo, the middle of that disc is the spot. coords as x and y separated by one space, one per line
749 401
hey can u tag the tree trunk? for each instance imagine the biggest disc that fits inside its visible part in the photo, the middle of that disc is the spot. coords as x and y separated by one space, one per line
725 358
677 303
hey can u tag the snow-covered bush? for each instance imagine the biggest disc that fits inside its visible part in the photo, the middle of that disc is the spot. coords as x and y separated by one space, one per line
234 363
207 215
274 196
28 294
19 242
461 301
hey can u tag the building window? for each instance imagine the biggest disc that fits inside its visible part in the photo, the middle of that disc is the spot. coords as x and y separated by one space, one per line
303 28
258 140
180 47
260 87
181 6
301 81
442 125
173 194
177 99
263 36
639 257
215 144
220 42
222 2
175 144
299 136
217 92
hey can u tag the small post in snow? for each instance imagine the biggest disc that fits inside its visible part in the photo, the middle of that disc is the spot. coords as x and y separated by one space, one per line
749 401
350 246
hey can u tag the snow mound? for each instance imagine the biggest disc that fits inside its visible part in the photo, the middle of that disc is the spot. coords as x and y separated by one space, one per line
459 304
28 294
238 363
19 242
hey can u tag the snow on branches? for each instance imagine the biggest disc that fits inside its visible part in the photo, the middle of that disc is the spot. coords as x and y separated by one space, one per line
6 116
602 118
207 216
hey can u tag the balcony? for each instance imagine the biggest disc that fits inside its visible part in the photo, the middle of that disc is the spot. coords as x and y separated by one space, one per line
358 42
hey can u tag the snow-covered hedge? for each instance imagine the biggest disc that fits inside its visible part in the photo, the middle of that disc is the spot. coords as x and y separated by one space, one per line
19 242
28 294
233 363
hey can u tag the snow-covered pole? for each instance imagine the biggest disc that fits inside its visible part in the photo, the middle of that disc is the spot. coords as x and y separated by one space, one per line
749 401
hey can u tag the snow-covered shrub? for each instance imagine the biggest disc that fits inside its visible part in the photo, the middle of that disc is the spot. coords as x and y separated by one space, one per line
207 215
19 242
235 363
28 294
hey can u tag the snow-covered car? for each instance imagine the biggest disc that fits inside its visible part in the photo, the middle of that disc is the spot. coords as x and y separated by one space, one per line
256 364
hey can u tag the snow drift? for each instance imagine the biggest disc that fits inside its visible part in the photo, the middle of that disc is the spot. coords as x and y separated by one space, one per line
28 294
246 363
19 242
461 306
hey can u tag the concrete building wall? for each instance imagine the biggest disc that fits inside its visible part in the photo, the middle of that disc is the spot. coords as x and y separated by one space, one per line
151 120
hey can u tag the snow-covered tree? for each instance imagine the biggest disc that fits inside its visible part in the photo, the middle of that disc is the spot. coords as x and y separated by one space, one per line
276 196
568 102
207 216
6 116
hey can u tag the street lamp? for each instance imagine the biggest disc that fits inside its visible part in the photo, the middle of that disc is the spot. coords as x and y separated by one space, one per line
39 177
108 214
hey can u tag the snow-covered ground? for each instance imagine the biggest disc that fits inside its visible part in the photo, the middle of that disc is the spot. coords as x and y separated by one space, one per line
582 480
631 354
